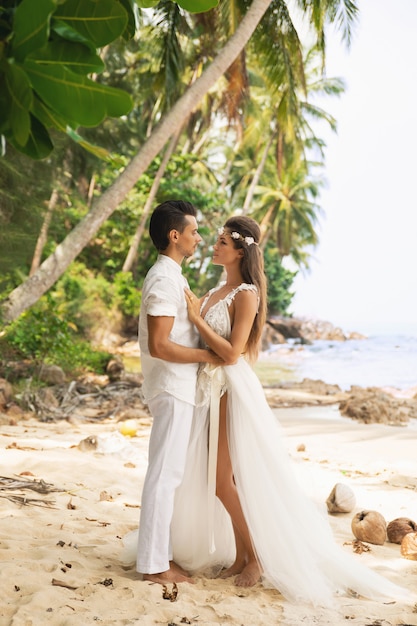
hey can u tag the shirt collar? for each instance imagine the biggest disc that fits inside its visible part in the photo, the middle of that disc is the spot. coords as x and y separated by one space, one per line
163 258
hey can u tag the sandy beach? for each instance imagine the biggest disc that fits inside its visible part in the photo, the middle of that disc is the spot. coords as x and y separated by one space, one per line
60 552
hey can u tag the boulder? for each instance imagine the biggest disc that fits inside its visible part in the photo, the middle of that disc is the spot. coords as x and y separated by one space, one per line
51 374
306 330
371 405
115 369
6 392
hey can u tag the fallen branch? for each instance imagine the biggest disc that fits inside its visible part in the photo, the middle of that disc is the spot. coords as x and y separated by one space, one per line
86 401
24 500
26 483
14 484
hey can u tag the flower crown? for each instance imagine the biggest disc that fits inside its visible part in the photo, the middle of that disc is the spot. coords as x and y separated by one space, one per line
235 235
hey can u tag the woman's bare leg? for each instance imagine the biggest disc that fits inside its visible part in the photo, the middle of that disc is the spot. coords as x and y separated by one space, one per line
240 560
246 564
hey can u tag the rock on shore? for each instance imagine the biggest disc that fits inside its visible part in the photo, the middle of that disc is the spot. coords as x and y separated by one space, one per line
279 329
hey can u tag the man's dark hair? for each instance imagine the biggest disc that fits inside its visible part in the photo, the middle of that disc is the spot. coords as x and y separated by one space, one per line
170 215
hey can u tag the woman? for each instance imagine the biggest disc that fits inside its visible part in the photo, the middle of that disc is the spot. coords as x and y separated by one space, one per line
237 452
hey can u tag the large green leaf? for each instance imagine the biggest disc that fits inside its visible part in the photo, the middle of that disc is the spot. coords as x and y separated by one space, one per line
31 26
147 4
67 32
75 56
99 152
197 6
192 6
132 23
100 21
38 145
48 117
20 100
76 97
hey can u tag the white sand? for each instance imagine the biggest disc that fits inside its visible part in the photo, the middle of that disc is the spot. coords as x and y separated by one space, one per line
77 543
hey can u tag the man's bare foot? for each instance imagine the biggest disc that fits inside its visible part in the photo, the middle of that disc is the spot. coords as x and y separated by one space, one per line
237 567
170 576
249 576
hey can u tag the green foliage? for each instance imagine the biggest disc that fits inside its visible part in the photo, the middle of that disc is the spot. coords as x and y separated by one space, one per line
84 299
61 327
91 303
127 294
193 6
279 282
42 335
46 58
168 51
24 189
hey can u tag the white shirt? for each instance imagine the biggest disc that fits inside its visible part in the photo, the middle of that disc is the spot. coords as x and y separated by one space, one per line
163 295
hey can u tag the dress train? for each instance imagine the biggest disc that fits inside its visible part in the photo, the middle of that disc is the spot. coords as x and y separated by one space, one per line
291 536
293 540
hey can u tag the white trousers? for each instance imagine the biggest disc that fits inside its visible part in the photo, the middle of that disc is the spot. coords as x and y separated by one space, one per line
168 445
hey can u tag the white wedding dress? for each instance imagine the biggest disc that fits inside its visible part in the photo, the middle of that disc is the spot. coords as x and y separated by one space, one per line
291 536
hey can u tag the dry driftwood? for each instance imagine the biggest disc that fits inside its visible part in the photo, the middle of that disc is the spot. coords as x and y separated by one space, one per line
13 484
27 483
87 401
25 501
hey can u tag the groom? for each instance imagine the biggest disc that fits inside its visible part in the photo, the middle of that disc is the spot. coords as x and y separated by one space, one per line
169 356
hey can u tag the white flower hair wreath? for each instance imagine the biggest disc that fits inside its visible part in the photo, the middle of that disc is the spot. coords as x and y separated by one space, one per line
235 235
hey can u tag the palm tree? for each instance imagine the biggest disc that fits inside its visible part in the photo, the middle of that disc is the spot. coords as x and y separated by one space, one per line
132 253
52 268
278 141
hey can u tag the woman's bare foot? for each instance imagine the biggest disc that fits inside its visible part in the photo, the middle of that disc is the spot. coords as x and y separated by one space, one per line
237 567
177 568
172 575
249 576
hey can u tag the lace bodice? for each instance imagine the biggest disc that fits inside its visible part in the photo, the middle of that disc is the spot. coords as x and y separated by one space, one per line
217 317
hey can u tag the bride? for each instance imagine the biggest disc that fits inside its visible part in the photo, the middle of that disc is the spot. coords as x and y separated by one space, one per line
240 510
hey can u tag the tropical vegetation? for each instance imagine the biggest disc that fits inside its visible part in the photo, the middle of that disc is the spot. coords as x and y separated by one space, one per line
217 107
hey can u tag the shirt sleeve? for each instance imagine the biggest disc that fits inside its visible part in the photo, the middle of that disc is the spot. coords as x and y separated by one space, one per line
162 299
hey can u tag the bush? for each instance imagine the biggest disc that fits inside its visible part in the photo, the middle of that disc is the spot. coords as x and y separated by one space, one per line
128 294
41 335
279 282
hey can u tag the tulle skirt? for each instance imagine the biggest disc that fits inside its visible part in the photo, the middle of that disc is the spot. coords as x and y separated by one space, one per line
290 533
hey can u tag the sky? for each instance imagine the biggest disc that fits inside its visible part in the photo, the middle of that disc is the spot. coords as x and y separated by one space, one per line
363 274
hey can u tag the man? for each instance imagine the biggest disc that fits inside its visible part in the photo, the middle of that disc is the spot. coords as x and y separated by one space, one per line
169 356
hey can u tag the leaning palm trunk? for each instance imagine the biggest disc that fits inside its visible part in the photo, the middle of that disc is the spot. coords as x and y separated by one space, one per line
133 250
55 265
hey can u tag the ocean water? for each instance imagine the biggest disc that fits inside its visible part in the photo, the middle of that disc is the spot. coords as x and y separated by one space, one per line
379 360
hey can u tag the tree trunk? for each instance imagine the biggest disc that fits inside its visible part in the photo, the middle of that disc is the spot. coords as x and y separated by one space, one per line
133 250
280 153
257 175
229 165
55 265
43 235
265 226
91 187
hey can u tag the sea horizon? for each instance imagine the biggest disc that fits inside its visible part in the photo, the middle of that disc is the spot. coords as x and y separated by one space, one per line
367 327
383 358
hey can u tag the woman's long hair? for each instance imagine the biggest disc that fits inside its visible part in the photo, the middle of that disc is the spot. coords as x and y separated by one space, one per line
252 268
